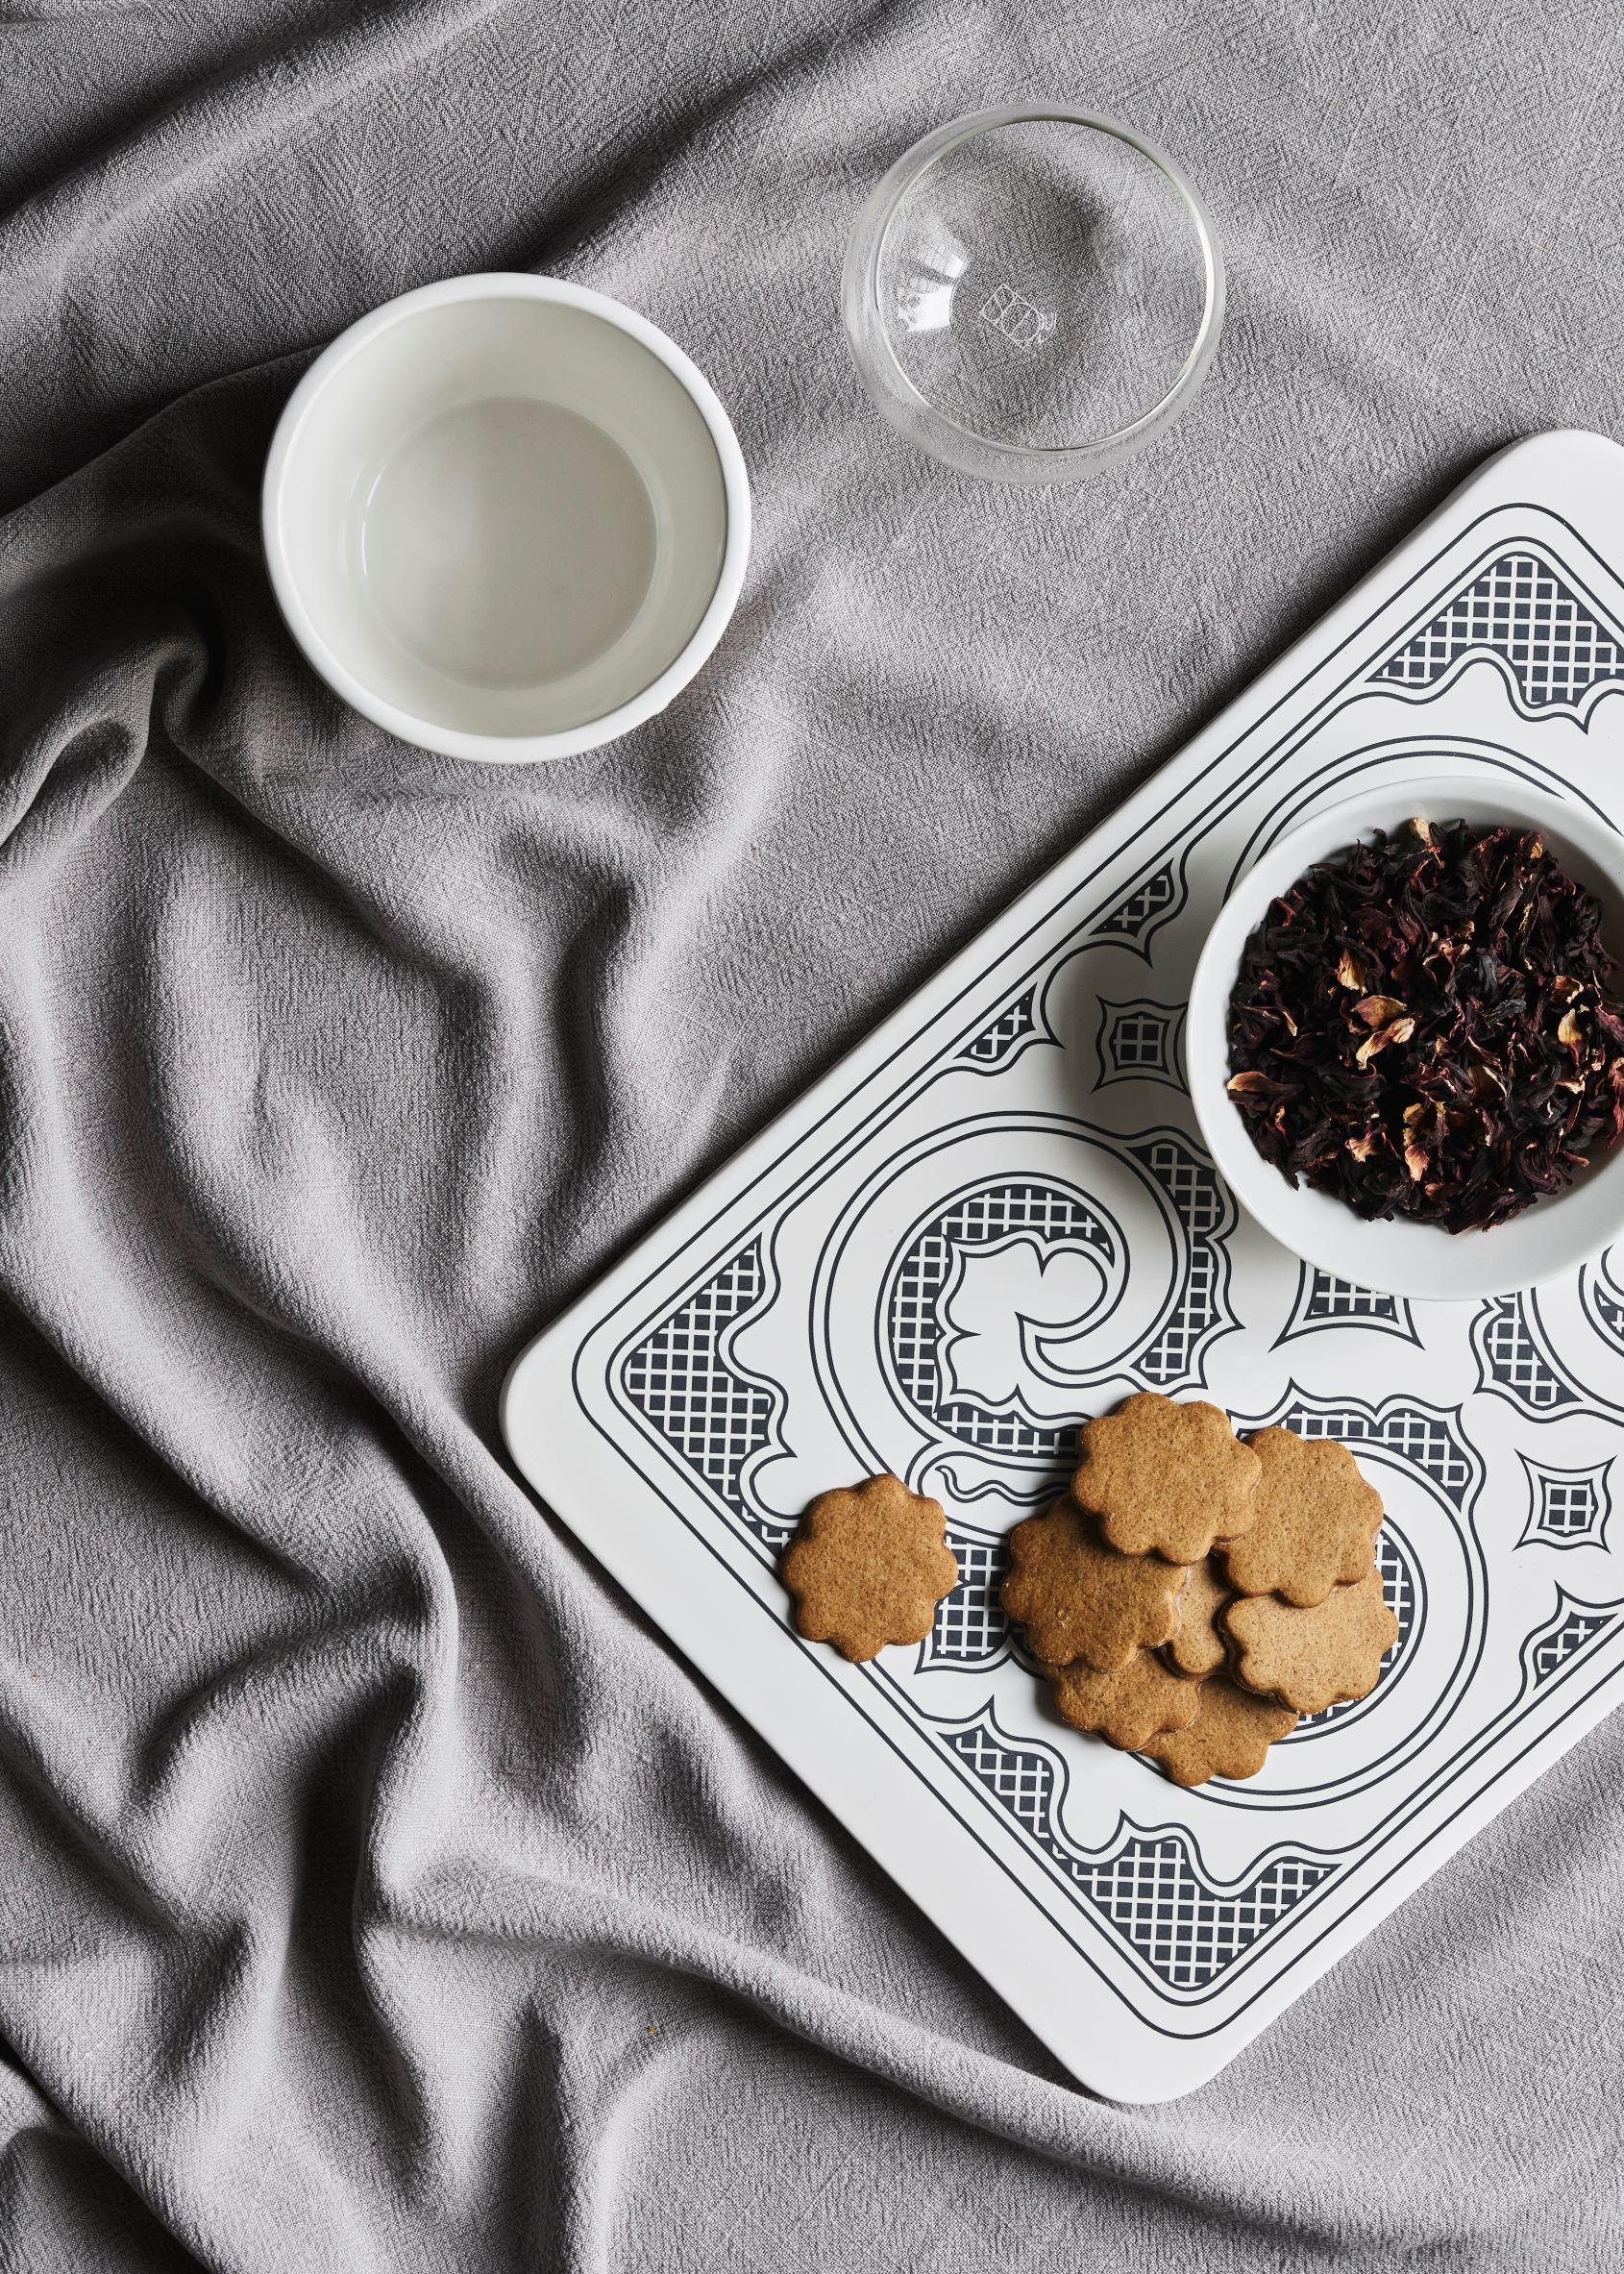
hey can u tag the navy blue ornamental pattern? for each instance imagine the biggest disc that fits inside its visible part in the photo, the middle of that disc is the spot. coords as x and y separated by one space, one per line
1564 1636
1140 1041
715 1418
1567 1507
1552 644
1142 912
914 1322
1201 1199
1006 1035
1324 1301
1149 1888
1545 1368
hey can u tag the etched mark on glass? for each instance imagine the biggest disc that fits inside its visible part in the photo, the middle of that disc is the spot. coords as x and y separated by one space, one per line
1009 311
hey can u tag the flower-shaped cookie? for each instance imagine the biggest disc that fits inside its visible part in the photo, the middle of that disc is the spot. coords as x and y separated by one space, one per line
1166 1479
1315 1658
1199 1647
1230 1735
868 1566
1078 1599
1317 1520
1128 1708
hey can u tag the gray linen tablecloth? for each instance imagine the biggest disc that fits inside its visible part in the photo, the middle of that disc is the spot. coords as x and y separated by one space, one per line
377 1888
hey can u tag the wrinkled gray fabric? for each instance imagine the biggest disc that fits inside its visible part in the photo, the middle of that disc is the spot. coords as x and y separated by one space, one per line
377 1888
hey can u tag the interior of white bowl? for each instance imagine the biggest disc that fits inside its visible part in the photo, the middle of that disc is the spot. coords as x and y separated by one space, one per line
1401 1257
499 513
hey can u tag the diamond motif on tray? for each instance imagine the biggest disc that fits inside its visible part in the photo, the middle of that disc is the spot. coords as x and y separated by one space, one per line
1552 646
1149 1886
1139 1041
713 1417
913 1325
1567 1507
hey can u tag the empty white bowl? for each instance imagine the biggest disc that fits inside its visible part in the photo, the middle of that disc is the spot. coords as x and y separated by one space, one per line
505 517
1420 1261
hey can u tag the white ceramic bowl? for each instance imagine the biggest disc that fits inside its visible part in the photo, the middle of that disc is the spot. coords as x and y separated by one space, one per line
505 517
1420 1261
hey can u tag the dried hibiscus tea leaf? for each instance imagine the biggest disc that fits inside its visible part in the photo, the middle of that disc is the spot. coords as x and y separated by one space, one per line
1426 1026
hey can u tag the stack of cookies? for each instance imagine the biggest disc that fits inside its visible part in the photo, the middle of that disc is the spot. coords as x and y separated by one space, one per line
1193 1594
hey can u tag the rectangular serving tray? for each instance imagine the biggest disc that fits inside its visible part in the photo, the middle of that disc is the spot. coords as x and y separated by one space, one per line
994 1219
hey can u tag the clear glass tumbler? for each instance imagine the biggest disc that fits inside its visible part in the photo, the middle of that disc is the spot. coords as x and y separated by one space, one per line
1032 294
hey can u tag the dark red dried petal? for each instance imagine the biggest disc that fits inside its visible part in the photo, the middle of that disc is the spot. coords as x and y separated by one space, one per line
1484 1056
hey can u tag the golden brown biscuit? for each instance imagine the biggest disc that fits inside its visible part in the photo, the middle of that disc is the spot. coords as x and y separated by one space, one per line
868 1566
1166 1479
1230 1735
1317 1520
1315 1658
1128 1708
1200 1646
1078 1599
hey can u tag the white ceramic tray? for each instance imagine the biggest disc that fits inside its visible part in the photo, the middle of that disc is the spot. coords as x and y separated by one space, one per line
994 1218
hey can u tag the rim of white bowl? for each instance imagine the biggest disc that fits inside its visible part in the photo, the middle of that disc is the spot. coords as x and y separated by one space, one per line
1260 1188
456 742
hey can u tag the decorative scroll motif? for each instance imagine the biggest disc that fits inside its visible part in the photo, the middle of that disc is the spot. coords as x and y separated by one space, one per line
1055 1218
1567 1507
1516 1361
1323 1300
987 1307
1139 1041
1208 1214
1004 1037
713 1417
1572 1628
1140 915
1149 1886
1552 648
